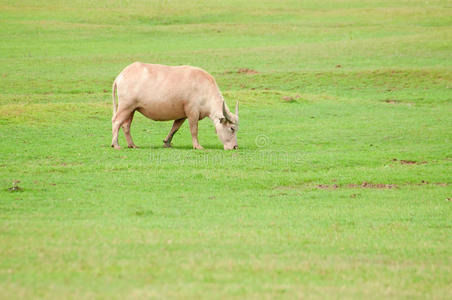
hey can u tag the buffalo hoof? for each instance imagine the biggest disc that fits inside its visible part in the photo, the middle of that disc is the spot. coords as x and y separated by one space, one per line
199 147
167 145
133 146
117 147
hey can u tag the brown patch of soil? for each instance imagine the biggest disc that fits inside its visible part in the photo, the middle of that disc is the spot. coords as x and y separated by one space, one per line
392 101
327 186
247 71
364 185
409 162
288 99
291 99
278 195
424 182
367 185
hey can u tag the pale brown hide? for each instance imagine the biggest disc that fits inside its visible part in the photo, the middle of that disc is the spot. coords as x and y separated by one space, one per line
164 93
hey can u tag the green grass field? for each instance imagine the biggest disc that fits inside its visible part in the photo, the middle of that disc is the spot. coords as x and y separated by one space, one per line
341 187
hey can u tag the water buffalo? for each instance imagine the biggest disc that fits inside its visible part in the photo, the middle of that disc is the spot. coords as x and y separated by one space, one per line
164 93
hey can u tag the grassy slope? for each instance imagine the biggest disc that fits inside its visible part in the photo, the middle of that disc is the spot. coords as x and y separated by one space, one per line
93 222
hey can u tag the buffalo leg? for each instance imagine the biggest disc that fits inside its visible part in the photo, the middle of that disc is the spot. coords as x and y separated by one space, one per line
126 129
119 118
176 125
193 122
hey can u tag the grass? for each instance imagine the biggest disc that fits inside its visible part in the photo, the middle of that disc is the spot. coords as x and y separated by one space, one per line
344 191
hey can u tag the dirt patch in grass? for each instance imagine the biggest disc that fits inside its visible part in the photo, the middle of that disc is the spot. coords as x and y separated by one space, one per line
423 182
290 99
396 102
278 195
368 185
327 186
247 71
364 185
392 101
409 162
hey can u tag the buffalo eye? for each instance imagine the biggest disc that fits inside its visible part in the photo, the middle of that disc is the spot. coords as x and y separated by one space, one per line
232 129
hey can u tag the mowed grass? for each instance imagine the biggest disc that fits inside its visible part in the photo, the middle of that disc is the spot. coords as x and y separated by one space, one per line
341 187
